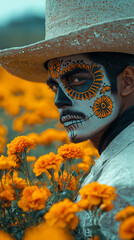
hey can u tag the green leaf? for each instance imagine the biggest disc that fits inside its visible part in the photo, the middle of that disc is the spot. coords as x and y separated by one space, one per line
74 173
68 165
1 173
40 213
66 194
50 188
59 174
62 167
82 172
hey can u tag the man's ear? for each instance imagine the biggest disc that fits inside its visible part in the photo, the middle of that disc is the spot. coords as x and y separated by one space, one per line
127 86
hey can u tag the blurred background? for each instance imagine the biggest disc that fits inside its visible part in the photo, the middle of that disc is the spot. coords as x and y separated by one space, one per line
27 108
21 22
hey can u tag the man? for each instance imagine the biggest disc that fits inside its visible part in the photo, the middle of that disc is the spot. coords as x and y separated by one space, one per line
94 94
93 85
79 82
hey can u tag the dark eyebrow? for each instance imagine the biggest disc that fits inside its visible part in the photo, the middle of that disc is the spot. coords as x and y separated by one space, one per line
66 75
74 71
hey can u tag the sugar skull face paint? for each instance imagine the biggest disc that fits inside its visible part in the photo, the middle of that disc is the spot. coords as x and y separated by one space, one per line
82 95
103 106
95 77
54 68
94 83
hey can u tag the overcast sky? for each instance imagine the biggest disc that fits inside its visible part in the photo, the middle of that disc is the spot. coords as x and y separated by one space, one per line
10 9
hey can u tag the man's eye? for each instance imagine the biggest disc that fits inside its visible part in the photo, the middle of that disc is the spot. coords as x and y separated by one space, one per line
77 81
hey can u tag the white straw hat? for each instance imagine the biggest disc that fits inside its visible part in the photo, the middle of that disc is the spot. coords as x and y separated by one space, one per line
74 27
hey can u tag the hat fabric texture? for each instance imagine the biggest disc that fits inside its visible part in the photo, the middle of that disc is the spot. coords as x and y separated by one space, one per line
74 27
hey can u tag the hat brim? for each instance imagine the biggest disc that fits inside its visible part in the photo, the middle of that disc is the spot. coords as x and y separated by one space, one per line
28 62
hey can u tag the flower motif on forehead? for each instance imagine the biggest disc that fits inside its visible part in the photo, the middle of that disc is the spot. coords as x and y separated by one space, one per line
54 68
103 106
95 80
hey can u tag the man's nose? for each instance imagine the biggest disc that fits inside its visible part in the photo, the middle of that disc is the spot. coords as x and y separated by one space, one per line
61 100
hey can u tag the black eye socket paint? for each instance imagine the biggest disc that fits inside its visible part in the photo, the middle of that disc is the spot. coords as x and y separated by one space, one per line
95 83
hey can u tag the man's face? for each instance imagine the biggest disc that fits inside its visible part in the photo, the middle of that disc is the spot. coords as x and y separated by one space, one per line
82 95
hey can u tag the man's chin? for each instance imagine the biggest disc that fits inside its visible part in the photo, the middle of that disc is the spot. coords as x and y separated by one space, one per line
76 138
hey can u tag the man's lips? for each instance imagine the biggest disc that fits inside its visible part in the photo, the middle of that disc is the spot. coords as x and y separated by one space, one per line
69 118
73 118
66 116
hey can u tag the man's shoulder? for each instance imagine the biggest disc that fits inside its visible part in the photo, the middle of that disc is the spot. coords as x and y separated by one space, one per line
121 144
120 169
126 153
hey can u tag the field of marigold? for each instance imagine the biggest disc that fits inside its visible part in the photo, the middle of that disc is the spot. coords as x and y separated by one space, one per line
29 120
41 172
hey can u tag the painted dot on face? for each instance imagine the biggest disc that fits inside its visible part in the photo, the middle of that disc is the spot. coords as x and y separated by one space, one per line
94 82
103 107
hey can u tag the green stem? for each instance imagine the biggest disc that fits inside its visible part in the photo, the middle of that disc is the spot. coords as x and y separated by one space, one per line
54 186
17 195
26 170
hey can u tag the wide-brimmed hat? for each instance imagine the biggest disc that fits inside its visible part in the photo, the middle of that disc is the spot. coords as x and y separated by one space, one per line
74 27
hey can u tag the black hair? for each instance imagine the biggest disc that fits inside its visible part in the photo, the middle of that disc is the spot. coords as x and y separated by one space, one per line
114 63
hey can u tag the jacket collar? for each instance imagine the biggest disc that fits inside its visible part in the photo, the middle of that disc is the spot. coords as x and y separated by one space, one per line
119 143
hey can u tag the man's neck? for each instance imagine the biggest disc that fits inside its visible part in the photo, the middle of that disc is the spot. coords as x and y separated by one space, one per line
96 139
103 139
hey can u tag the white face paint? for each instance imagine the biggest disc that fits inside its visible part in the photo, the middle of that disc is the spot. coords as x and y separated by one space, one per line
83 96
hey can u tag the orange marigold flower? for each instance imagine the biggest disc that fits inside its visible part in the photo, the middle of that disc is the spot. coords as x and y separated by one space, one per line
71 181
71 151
33 198
3 130
5 236
20 144
7 163
84 166
31 158
97 194
19 183
124 213
126 228
1 148
3 139
89 149
34 135
50 135
7 194
45 232
47 162
95 238
62 214
87 159
14 181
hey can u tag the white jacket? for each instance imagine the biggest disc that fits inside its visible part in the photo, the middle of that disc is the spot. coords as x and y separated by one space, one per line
115 167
